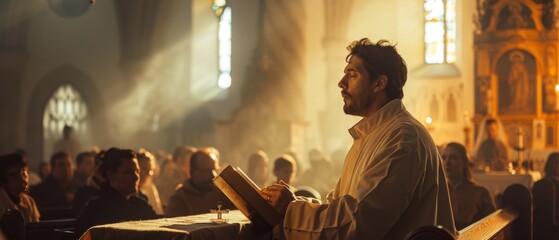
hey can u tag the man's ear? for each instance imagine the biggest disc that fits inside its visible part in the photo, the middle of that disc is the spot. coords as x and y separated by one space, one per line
380 83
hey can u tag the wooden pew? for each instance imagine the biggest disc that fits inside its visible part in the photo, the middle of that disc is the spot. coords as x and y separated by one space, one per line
513 221
546 217
60 229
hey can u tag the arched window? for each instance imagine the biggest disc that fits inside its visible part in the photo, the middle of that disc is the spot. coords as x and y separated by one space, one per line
65 107
440 31
224 36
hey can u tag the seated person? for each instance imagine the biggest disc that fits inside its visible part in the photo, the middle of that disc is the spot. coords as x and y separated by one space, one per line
147 168
91 188
258 168
58 189
13 184
320 173
117 200
165 181
198 194
546 200
85 162
470 202
285 169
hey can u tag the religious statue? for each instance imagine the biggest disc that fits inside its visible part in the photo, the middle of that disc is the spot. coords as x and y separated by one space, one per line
516 20
518 81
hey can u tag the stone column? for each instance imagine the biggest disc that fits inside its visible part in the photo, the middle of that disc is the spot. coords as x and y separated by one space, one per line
284 51
337 14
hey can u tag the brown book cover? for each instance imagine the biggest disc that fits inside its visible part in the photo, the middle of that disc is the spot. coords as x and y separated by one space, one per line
244 193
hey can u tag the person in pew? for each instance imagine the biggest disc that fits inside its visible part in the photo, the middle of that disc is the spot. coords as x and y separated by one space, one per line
285 169
85 167
117 200
470 202
14 183
34 178
44 170
91 188
392 180
198 194
58 189
146 160
258 169
546 201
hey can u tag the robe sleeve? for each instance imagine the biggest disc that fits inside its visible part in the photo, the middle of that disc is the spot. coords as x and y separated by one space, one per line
486 205
385 190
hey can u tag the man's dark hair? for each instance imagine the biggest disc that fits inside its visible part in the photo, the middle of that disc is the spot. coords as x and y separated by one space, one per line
196 156
58 155
10 160
463 155
490 121
113 158
381 58
284 161
82 156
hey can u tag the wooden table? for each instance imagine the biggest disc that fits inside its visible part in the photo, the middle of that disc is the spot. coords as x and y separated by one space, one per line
190 227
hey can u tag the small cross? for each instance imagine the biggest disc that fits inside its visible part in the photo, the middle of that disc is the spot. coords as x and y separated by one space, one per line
219 212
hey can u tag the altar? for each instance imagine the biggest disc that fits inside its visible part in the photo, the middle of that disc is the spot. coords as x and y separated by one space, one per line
196 227
497 182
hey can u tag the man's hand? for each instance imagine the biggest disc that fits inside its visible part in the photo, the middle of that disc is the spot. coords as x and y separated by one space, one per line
279 196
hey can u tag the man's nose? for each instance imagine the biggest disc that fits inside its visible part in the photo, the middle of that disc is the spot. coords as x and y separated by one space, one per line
341 83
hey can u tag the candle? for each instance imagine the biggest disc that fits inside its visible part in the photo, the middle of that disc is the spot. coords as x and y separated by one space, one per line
557 97
489 102
428 120
520 138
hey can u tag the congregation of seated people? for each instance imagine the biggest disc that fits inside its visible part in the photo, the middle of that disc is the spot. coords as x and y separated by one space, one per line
118 185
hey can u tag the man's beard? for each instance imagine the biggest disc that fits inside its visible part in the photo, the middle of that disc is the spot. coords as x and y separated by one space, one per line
357 107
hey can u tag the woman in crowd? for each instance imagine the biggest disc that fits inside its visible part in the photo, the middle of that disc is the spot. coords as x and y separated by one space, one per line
147 169
117 200
470 202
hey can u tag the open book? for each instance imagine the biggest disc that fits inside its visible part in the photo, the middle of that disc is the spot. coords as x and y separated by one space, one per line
243 192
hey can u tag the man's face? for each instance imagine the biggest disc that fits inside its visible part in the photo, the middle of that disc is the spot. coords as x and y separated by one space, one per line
18 180
357 88
62 169
87 166
286 173
491 130
206 170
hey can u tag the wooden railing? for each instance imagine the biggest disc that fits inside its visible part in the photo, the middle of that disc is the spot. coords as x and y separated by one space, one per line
513 221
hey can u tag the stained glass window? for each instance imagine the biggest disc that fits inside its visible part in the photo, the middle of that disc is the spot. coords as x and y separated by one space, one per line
224 36
440 31
65 107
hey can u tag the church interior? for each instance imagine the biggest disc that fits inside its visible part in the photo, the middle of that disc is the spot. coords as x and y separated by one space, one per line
148 75
243 76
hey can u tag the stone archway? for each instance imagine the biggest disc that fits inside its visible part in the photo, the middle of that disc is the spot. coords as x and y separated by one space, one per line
62 75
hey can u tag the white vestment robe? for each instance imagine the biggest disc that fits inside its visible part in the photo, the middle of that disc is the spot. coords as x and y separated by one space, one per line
392 182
